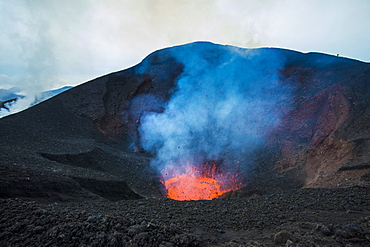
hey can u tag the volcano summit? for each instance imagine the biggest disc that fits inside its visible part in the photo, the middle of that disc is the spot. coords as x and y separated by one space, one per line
196 122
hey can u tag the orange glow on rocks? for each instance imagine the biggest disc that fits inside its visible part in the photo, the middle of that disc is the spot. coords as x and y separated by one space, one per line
197 185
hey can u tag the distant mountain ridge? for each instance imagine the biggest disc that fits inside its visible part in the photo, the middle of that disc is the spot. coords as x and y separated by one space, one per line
8 94
8 97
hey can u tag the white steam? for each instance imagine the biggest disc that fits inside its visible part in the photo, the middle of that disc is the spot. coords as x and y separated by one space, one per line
225 103
48 44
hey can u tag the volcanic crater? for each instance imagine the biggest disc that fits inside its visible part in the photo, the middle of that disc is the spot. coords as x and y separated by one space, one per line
285 134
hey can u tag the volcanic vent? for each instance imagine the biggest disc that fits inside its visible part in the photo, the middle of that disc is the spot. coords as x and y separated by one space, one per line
225 103
193 122
200 182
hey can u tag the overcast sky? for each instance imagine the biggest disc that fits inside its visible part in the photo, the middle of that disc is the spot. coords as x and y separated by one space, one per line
45 44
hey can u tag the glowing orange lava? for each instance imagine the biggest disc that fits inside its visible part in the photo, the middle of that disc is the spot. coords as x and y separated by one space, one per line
195 185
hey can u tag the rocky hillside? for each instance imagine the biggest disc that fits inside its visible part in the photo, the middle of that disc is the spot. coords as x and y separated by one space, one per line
86 142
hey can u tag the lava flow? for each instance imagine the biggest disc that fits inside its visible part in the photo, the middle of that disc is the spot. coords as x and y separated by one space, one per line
198 185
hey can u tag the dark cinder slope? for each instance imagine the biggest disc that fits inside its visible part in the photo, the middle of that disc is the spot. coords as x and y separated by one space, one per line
76 146
325 132
60 149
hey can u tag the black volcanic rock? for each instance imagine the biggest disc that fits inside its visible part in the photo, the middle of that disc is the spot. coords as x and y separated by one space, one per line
304 217
77 145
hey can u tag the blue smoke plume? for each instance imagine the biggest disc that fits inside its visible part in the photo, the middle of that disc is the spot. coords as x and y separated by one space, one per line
225 103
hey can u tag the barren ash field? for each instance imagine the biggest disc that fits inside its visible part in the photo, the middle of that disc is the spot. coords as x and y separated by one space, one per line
197 145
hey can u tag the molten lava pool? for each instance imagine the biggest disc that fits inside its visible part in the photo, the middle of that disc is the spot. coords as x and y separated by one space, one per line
196 185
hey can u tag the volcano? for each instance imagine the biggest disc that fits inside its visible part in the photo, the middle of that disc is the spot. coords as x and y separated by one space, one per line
238 122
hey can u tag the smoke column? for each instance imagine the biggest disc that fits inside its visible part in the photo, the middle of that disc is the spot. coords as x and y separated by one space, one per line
225 103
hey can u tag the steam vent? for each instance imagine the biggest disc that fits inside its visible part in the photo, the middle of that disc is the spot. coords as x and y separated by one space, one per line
197 122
